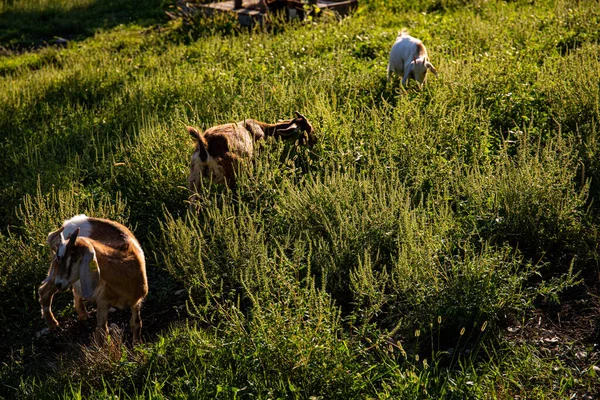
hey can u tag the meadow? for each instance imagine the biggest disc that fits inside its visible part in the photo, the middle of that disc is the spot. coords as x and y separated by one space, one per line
440 243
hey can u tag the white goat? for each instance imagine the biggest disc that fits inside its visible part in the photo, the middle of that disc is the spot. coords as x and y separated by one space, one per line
408 58
102 261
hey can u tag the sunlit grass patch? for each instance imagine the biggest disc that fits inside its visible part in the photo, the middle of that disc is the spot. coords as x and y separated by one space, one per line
387 261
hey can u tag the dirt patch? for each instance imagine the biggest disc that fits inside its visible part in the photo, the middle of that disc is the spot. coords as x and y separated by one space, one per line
568 331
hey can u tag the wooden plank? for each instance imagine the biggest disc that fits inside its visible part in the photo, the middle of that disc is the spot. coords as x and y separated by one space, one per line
342 7
249 13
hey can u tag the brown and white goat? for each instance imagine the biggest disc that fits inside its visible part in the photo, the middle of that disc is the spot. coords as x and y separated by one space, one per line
219 149
102 261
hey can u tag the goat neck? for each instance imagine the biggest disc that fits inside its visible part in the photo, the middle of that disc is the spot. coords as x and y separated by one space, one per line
282 129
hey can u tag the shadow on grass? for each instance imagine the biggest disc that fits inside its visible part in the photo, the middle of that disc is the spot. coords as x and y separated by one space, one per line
24 26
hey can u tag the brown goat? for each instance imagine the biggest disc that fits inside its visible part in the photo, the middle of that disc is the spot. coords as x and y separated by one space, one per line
102 261
219 149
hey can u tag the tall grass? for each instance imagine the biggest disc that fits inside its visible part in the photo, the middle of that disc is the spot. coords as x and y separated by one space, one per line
384 262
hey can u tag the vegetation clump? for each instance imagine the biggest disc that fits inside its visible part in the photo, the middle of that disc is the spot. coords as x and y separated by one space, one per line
433 244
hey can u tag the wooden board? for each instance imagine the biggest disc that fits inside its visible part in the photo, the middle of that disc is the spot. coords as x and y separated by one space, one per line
249 13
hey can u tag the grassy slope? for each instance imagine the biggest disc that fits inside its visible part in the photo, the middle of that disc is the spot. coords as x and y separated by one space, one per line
34 23
386 261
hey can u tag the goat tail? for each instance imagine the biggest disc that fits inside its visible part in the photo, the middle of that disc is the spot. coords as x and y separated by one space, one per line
202 145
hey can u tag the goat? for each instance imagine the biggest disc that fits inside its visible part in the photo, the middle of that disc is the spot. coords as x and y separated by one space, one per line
102 261
219 149
408 58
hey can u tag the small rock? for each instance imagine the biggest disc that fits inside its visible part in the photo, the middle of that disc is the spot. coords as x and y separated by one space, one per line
43 332
62 42
596 368
581 354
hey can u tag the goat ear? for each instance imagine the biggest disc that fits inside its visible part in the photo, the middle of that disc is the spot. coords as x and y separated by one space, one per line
193 132
430 67
298 115
73 238
89 273
288 131
54 239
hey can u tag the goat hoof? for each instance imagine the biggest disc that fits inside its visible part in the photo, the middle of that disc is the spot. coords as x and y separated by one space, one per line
54 325
43 332
100 336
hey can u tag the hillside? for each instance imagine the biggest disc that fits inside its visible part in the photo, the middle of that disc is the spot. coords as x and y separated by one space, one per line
440 243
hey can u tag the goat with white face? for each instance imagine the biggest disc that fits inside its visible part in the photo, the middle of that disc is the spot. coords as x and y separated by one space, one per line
408 58
219 149
103 262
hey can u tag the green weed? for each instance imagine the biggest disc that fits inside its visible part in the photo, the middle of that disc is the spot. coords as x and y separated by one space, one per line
384 262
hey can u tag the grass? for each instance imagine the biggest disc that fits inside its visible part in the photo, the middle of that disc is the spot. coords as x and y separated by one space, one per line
395 259
31 24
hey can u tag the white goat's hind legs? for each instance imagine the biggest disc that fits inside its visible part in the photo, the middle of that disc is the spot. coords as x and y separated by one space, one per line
46 292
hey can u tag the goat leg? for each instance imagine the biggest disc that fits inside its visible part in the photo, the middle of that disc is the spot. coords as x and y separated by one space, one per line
101 322
230 164
46 292
136 322
82 313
